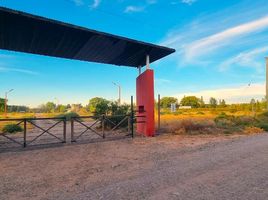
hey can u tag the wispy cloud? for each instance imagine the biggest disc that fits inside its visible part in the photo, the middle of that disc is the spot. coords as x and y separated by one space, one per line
19 70
236 94
162 81
95 3
78 2
246 59
131 9
189 2
223 38
140 8
151 1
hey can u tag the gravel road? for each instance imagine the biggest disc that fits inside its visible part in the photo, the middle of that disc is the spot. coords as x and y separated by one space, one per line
165 167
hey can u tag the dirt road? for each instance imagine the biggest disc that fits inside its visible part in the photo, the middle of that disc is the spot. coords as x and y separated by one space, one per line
166 167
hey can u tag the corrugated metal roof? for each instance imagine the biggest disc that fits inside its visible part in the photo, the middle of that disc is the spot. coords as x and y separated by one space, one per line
28 33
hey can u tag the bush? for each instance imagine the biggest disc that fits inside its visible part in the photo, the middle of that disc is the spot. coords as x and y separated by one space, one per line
68 115
12 128
263 125
252 130
188 126
200 113
245 121
116 120
263 117
223 120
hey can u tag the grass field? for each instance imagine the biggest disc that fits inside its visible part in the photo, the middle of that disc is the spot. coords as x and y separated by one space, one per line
213 121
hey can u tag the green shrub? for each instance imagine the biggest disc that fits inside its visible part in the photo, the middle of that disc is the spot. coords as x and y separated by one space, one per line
177 113
233 110
263 117
12 128
262 125
68 115
245 121
115 120
200 113
223 120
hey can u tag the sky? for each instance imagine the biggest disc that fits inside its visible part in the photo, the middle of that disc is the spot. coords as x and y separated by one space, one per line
220 50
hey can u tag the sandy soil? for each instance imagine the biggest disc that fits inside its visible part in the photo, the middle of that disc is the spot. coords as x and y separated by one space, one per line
164 167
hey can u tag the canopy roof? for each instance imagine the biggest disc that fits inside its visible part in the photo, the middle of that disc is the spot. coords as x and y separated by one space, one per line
28 33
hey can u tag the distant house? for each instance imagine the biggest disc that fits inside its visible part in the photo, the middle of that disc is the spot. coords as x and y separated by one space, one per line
185 107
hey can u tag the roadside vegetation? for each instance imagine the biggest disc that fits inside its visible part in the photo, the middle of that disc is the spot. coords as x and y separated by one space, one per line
215 117
192 116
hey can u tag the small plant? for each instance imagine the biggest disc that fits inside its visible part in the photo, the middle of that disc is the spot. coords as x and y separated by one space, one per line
244 121
200 113
263 125
68 115
12 128
223 120
253 130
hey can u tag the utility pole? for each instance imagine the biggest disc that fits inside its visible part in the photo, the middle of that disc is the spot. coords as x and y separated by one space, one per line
266 58
6 93
119 92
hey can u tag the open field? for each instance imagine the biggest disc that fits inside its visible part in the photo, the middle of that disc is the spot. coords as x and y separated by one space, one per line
164 167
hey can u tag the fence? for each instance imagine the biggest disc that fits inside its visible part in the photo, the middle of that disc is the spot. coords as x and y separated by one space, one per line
34 131
93 128
39 131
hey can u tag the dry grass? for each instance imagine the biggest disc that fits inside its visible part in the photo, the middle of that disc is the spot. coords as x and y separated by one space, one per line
203 122
188 126
252 130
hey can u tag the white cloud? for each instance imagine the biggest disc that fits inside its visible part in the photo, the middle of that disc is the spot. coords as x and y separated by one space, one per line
25 71
130 9
95 4
162 81
212 42
78 2
207 37
189 2
246 59
236 94
151 1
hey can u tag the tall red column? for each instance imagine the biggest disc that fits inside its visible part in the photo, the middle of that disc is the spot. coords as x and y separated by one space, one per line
145 103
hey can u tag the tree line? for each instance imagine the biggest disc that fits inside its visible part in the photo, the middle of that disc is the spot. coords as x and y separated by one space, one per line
12 108
196 102
95 106
98 105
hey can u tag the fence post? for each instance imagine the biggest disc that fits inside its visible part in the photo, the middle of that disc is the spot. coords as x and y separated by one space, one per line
64 130
24 132
72 130
128 124
103 126
158 116
132 118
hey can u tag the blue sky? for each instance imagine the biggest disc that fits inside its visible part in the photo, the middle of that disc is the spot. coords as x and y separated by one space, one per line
220 46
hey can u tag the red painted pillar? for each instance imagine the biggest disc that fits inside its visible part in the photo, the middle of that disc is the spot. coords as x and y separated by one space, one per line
145 103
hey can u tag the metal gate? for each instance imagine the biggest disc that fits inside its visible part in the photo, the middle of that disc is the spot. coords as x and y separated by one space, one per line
47 131
33 131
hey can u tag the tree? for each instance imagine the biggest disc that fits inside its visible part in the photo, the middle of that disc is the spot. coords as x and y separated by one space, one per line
202 103
192 101
98 106
222 103
116 109
50 107
2 105
166 102
213 102
61 108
